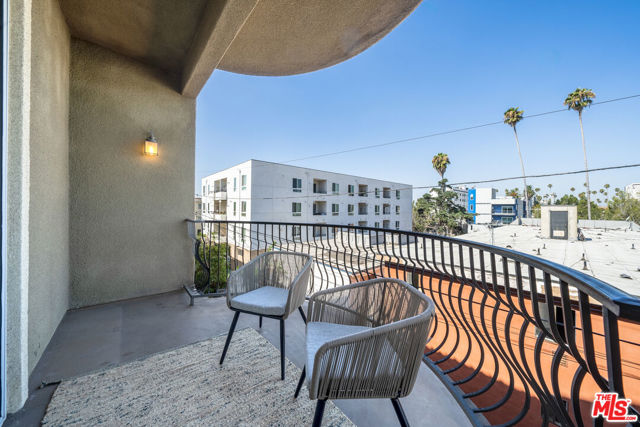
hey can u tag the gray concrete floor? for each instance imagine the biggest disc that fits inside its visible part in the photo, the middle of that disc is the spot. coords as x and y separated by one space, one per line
98 337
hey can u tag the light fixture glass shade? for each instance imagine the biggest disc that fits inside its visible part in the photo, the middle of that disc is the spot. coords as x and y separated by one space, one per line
151 146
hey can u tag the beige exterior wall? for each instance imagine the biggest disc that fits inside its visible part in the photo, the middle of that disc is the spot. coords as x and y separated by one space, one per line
127 231
572 218
49 183
38 187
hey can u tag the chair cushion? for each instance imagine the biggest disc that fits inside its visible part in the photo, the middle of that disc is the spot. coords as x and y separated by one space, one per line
319 333
267 300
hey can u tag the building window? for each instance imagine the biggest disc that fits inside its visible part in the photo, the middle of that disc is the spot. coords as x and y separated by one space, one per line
376 209
398 194
335 188
397 210
471 207
397 225
471 196
297 232
376 224
377 191
203 188
335 209
297 185
351 189
243 182
243 209
350 209
235 184
363 190
296 209
507 220
386 209
507 209
235 210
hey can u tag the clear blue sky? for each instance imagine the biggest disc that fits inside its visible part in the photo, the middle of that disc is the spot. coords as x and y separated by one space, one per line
450 64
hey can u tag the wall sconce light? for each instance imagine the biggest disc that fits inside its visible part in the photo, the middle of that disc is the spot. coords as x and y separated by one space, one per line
151 145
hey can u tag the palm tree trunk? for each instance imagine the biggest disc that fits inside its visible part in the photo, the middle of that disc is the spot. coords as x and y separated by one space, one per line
586 167
524 175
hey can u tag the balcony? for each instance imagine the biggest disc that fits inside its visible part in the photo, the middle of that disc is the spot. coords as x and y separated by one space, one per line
386 192
363 209
511 332
319 186
363 190
220 195
319 208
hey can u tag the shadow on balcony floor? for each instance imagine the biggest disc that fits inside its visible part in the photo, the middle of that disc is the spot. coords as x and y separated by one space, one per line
98 337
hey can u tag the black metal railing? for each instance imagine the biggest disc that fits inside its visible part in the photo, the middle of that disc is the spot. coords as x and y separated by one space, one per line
518 339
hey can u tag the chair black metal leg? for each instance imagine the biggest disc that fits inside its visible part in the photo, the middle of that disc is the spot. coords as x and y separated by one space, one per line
400 412
260 322
300 381
317 418
229 335
282 348
302 314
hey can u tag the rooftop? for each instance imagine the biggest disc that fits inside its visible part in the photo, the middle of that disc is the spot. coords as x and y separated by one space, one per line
608 253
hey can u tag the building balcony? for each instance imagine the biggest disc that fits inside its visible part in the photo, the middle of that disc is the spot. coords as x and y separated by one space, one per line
220 195
520 329
220 216
539 325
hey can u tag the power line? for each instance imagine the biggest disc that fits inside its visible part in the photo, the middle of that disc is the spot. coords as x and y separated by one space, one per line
436 134
448 132
485 181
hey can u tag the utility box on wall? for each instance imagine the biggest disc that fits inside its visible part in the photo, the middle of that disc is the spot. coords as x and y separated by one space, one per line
559 222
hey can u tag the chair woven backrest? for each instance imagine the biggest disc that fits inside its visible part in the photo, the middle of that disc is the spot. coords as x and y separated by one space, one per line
382 362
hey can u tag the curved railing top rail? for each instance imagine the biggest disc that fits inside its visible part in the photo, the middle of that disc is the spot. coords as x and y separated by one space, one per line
619 302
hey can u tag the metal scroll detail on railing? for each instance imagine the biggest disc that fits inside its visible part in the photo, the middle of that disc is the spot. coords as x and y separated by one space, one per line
516 339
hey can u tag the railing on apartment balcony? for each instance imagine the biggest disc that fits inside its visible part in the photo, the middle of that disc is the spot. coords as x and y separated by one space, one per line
517 339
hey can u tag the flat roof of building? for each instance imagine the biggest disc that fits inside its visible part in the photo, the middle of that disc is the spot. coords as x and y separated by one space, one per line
609 252
409 186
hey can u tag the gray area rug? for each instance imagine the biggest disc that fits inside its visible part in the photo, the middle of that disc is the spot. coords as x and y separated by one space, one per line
187 386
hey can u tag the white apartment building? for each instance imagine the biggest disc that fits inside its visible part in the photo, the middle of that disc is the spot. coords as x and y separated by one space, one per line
263 191
461 199
633 190
486 207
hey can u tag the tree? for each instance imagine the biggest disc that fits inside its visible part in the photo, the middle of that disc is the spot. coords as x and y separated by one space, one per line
512 192
438 213
511 117
577 101
623 208
440 162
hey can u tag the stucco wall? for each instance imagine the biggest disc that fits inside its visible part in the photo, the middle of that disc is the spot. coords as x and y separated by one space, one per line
127 232
38 186
49 176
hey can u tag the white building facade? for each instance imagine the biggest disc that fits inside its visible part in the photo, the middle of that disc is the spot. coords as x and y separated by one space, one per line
461 198
633 190
486 207
263 191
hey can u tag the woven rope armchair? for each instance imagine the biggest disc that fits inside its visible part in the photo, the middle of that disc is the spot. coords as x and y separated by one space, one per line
273 285
365 340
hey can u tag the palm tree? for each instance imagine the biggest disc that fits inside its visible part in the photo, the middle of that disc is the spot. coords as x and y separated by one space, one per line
511 117
440 162
577 101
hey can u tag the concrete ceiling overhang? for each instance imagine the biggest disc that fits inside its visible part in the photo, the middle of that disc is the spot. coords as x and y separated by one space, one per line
285 37
188 39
